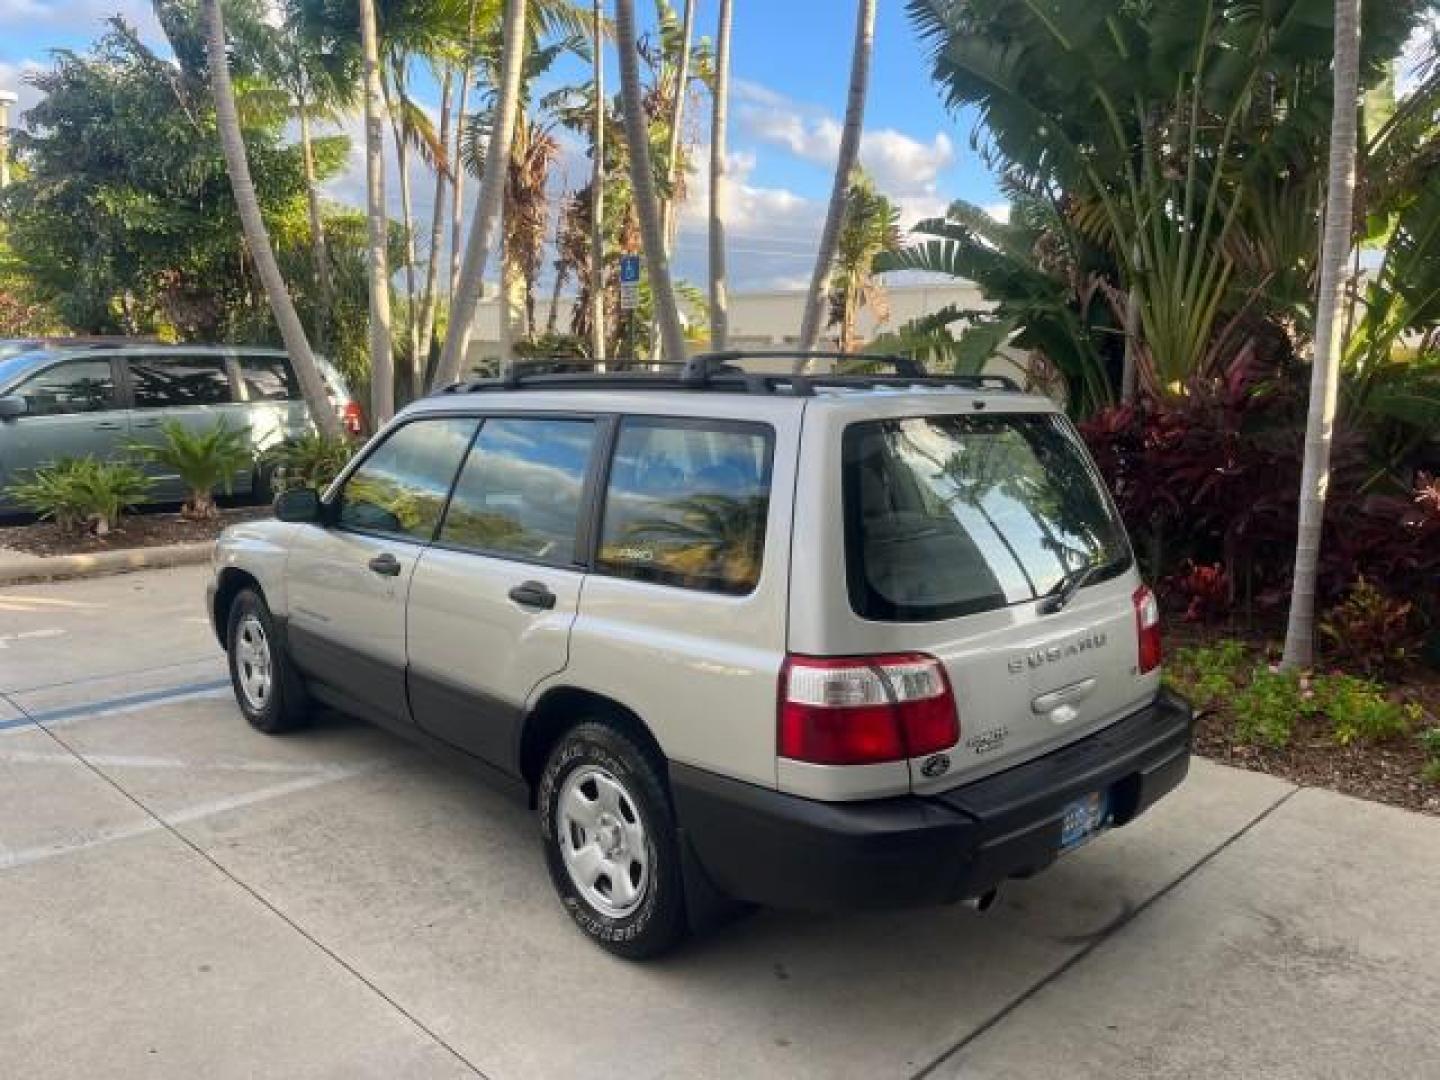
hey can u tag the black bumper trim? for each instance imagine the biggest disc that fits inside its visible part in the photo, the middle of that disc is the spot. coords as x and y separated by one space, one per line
779 850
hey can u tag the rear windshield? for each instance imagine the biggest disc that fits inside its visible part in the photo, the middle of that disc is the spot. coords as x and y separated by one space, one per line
952 515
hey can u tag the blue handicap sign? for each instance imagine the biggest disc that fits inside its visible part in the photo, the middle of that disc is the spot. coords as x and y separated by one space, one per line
629 269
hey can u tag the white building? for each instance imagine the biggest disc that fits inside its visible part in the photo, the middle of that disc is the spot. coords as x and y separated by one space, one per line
766 320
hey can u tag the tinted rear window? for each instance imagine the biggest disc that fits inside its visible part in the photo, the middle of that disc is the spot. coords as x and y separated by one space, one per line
952 515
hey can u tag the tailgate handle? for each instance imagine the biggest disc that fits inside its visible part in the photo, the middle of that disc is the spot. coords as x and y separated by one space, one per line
1066 695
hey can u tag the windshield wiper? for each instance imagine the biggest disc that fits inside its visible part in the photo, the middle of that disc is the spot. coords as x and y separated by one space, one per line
1066 588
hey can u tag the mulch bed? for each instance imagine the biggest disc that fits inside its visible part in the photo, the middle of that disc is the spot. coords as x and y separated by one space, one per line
1387 772
148 529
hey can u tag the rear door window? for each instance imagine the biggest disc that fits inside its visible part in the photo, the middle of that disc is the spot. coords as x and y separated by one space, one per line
166 380
75 386
268 378
687 503
521 490
952 515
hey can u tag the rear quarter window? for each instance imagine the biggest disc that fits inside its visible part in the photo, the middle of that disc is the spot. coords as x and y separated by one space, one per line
687 503
954 515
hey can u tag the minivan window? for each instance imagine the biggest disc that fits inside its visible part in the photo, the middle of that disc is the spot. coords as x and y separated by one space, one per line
687 503
268 378
951 515
163 381
76 386
400 488
520 490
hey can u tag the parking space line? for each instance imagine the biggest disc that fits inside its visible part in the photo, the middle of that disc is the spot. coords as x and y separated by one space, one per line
112 705
154 822
157 821
145 761
1124 920
103 676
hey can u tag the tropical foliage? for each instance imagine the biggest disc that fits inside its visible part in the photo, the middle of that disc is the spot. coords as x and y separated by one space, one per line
82 494
206 461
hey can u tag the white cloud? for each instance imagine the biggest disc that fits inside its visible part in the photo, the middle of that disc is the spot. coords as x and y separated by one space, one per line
901 164
78 16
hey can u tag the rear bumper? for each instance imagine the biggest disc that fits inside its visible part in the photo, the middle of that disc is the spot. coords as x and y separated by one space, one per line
780 850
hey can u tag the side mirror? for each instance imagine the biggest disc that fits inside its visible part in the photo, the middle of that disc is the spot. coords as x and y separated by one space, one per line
13 406
299 505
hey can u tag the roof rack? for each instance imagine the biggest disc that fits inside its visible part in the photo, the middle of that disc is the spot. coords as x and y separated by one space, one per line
719 372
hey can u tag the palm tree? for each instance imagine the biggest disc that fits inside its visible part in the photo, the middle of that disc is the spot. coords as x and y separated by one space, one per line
429 298
232 144
487 206
719 118
1329 343
320 74
844 165
871 228
382 360
457 190
669 203
597 192
642 179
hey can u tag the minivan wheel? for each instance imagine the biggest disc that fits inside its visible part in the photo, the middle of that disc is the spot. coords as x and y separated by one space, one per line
267 689
610 842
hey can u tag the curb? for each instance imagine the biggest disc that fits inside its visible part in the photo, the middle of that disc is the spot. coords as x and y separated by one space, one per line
94 564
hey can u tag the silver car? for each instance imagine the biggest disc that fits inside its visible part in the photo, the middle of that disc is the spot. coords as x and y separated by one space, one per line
58 402
813 642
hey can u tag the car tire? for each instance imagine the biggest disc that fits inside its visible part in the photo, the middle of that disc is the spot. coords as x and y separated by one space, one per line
610 842
267 688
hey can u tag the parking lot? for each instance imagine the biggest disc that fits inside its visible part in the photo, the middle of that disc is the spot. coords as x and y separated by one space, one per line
181 897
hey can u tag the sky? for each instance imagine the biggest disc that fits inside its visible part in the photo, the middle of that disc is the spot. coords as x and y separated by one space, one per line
790 67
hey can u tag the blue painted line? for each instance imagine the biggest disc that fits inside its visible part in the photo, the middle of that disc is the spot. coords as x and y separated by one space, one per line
147 698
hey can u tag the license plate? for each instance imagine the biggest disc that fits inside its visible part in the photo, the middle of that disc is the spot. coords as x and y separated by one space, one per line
1084 819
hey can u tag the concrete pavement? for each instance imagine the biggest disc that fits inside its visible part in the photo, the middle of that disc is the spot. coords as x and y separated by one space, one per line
182 896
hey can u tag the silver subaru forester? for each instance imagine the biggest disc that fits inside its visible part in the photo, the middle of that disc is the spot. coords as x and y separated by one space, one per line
822 642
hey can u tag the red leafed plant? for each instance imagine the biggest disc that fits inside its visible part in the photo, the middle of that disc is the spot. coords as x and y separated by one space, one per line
1203 590
1371 630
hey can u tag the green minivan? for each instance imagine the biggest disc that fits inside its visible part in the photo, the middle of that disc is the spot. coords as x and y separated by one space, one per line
58 402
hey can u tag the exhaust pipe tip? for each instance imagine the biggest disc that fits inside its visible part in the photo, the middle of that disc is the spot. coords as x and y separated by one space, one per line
984 902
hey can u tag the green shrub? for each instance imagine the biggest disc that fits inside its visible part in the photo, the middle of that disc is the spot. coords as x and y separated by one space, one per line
82 493
311 461
205 461
1267 707
1430 743
1359 710
1207 674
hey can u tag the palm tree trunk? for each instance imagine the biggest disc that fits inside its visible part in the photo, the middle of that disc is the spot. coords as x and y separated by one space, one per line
292 332
597 194
844 165
324 287
719 120
400 130
669 215
1329 346
487 205
382 360
429 299
642 179
457 191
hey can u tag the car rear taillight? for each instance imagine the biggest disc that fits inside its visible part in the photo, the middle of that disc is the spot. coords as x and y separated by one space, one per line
859 710
1147 628
353 418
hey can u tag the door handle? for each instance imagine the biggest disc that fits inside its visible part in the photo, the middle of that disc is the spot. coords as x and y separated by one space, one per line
385 565
107 426
533 594
147 423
